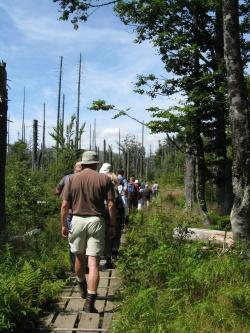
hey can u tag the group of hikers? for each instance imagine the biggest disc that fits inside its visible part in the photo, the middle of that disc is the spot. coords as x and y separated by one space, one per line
95 207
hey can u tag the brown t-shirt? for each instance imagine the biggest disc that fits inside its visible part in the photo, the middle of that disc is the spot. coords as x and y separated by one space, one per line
86 191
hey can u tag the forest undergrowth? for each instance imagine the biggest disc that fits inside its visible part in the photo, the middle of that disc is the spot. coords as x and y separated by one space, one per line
175 286
31 281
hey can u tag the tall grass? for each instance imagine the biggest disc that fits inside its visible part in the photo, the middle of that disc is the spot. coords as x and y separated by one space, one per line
173 286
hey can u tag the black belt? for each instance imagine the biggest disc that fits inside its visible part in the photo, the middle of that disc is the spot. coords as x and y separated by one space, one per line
86 215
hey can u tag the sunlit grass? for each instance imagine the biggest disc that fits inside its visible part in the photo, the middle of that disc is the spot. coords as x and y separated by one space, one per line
173 286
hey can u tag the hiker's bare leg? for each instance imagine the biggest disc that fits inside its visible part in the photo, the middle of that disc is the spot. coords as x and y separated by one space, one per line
94 275
79 266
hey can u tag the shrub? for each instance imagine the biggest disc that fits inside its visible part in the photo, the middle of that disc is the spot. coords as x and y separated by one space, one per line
174 286
28 284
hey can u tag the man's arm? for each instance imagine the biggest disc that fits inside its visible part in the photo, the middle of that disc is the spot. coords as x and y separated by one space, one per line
64 214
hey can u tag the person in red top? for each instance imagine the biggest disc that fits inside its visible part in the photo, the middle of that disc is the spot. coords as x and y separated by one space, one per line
85 193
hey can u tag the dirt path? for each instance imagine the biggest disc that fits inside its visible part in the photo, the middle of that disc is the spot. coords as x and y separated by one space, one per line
69 315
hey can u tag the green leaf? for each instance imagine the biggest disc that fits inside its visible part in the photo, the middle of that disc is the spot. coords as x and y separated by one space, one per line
100 105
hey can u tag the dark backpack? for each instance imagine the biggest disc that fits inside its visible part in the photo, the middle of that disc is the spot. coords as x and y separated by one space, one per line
131 188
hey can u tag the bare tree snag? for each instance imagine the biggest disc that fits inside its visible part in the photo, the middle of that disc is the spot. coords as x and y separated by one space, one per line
59 100
23 123
34 146
3 145
78 103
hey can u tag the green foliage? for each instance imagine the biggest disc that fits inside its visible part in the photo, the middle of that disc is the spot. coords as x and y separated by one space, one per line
29 284
220 222
30 195
66 159
66 139
173 286
100 104
24 189
169 163
19 152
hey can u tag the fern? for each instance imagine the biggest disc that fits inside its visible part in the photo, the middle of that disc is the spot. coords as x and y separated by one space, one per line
27 286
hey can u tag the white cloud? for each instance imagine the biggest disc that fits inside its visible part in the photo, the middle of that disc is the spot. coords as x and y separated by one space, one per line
48 29
47 92
110 63
111 132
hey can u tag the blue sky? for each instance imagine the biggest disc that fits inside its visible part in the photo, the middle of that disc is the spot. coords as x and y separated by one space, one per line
31 43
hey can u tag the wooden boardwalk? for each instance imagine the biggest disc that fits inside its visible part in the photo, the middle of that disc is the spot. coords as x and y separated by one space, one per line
69 315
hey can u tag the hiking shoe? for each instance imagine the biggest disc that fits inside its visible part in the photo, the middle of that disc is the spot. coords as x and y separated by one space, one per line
89 306
82 287
108 265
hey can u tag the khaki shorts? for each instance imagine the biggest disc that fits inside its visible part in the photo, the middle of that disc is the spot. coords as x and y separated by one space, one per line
87 235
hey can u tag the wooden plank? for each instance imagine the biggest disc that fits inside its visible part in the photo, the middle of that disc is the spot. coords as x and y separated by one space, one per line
103 284
76 294
107 321
66 293
103 275
114 285
61 305
99 305
110 306
75 305
89 321
66 321
46 320
68 288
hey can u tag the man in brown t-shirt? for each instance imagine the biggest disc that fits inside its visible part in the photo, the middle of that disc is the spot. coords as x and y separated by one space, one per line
85 193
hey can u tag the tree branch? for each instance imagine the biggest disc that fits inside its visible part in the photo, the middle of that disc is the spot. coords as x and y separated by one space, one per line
122 112
103 4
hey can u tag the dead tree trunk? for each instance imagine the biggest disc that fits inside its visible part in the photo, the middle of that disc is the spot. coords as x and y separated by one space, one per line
90 137
62 118
104 151
142 156
119 148
3 145
110 156
78 104
34 148
43 142
127 163
189 179
23 124
239 114
59 101
43 137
